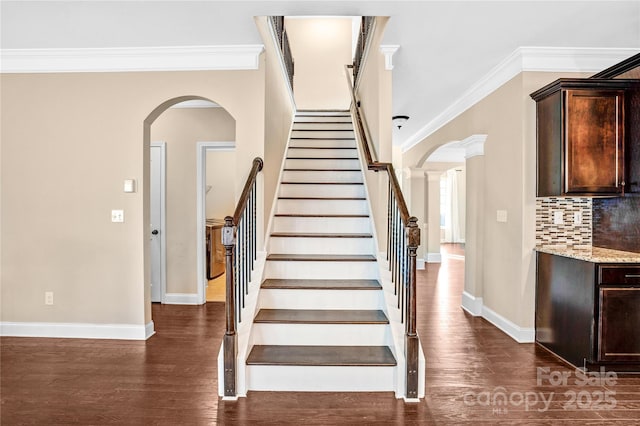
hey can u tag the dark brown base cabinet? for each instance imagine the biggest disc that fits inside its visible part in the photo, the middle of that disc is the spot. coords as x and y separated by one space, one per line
589 313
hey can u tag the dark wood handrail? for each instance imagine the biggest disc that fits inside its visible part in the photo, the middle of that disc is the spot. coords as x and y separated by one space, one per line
244 198
239 240
374 164
403 239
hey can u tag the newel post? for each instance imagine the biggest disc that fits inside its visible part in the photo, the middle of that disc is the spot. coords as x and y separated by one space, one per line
412 343
230 343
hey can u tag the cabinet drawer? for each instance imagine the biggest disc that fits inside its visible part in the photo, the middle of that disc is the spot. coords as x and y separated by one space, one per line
619 275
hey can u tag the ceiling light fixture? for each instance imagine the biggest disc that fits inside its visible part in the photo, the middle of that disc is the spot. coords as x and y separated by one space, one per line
399 120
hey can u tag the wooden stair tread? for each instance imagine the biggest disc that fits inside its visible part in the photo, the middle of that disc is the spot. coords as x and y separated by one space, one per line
321 170
331 138
321 316
275 283
322 257
322 147
321 355
322 198
320 215
322 183
322 158
317 235
322 130
322 122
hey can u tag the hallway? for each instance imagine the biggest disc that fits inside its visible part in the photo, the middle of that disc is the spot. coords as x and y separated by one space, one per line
172 378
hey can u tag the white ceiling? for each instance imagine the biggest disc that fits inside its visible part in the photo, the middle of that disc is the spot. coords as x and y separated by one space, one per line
445 47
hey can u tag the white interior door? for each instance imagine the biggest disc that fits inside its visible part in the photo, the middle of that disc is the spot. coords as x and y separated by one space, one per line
157 212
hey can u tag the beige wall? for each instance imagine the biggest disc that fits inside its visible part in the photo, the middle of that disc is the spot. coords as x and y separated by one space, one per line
374 92
222 198
505 181
181 129
320 47
68 142
279 110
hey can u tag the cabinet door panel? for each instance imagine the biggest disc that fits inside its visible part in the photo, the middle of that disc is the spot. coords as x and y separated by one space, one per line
594 141
619 324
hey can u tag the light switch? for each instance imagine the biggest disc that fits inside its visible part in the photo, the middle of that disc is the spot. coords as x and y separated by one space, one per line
577 218
117 216
130 185
558 218
501 215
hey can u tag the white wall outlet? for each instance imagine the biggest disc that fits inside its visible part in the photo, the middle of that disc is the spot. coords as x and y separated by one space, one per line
558 217
501 215
117 216
577 218
48 298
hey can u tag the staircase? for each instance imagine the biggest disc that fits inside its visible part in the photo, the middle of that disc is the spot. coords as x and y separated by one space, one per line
321 322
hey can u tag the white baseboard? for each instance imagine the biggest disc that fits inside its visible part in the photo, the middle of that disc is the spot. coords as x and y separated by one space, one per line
475 306
77 330
517 333
181 299
420 264
434 258
149 330
472 304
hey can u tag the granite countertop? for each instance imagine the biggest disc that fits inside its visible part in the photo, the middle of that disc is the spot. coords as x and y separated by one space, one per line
592 254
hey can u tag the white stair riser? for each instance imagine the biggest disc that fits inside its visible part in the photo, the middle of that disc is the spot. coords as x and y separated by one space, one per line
299 245
320 176
322 164
321 299
324 134
321 334
321 153
322 126
345 270
320 379
326 190
358 225
322 206
323 143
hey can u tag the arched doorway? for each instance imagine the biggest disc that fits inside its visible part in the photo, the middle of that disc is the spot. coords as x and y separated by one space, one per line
180 127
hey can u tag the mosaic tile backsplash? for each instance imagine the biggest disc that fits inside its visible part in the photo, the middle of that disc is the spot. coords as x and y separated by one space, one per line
568 233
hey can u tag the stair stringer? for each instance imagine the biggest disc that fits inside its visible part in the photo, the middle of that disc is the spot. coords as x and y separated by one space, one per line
390 299
243 331
274 201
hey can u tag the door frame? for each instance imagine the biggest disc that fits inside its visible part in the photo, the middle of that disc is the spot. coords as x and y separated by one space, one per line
163 216
201 208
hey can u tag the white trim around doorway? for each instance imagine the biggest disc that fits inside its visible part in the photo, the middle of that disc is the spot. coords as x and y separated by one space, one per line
201 207
163 218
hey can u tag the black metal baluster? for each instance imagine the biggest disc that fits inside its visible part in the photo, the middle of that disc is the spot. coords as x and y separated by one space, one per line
389 222
247 261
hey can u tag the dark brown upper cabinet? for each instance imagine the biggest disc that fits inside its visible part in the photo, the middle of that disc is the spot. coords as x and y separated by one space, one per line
581 137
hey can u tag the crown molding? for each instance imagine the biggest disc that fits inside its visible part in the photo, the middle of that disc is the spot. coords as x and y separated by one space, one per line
130 59
545 59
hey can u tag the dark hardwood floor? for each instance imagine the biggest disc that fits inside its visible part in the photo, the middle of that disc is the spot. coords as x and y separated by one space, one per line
172 377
